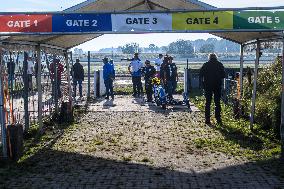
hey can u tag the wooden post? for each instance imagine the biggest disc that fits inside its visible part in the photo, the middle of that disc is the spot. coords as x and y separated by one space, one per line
39 88
254 85
2 113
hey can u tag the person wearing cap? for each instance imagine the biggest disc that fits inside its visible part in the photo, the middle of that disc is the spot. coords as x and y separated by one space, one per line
170 77
78 77
54 67
135 69
108 75
158 63
211 75
149 72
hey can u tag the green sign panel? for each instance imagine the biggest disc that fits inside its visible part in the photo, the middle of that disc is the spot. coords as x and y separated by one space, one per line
259 20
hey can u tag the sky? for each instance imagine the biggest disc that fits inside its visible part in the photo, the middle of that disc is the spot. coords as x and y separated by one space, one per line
116 40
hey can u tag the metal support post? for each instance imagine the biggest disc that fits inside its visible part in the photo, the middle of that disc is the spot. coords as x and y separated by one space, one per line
282 105
68 78
89 75
55 84
39 87
241 70
26 91
2 111
254 85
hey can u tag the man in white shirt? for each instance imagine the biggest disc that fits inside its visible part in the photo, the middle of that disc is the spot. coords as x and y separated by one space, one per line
158 63
135 69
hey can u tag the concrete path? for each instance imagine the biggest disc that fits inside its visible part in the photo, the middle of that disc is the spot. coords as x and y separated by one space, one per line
128 144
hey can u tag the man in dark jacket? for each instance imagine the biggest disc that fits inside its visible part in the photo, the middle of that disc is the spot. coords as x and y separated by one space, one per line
211 75
170 77
78 77
149 73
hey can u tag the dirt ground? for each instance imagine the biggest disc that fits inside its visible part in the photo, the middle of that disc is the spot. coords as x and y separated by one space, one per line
127 143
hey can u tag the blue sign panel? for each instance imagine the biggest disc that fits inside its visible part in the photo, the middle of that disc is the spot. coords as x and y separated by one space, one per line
81 22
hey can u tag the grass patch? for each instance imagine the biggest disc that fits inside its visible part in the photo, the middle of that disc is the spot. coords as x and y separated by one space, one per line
237 139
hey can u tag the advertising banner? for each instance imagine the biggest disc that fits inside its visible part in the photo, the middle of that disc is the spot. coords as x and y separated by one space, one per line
259 20
25 23
81 22
141 22
215 20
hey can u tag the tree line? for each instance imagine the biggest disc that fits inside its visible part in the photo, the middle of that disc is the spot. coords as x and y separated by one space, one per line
183 47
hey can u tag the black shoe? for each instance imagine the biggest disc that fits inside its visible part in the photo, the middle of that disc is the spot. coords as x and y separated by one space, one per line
134 95
107 98
219 122
112 97
207 122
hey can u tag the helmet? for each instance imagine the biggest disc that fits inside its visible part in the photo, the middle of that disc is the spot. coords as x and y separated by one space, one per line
156 81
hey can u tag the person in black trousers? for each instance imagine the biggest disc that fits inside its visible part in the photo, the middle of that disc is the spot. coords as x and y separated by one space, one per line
149 73
211 75
78 77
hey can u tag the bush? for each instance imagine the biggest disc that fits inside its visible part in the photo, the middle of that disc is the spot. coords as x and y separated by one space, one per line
268 100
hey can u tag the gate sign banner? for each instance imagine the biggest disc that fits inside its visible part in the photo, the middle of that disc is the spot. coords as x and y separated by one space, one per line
141 22
218 20
206 21
258 20
25 23
81 22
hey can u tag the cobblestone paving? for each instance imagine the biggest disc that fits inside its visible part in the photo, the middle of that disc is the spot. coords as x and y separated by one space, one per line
145 148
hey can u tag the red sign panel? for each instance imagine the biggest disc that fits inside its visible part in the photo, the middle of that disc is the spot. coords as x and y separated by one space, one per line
25 23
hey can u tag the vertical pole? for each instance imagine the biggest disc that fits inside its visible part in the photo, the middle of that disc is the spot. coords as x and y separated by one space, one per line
241 70
282 105
39 88
55 66
68 78
254 85
2 113
26 91
89 75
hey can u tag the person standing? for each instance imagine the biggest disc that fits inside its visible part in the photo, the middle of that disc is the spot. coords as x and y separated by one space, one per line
149 73
134 69
108 75
211 75
249 74
170 77
78 77
30 70
56 67
158 63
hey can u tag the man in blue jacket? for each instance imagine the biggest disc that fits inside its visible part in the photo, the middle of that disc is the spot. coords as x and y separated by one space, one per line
108 75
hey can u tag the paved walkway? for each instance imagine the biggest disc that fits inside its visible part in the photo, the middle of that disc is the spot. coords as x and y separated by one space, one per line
129 144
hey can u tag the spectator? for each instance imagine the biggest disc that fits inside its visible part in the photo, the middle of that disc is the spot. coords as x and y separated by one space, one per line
56 67
109 76
134 69
158 63
149 73
170 77
78 77
211 75
249 74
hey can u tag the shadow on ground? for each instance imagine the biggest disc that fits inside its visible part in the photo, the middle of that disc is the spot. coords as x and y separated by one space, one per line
55 169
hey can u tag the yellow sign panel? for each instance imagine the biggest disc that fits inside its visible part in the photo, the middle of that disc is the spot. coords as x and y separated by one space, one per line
203 20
